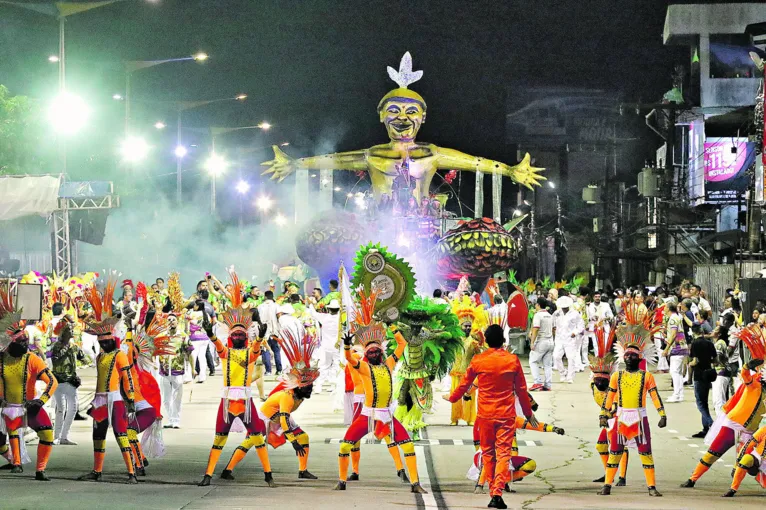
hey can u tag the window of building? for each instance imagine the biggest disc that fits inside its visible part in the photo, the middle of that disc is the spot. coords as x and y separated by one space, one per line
730 56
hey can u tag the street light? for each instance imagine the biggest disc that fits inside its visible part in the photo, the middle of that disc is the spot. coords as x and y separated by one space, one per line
264 125
68 113
53 59
134 149
242 187
280 220
551 184
241 97
264 203
200 57
159 125
215 166
181 151
117 97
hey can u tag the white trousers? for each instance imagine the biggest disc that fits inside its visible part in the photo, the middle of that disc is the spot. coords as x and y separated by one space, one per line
200 347
662 362
570 349
90 346
542 354
172 388
328 367
581 345
677 374
721 394
66 408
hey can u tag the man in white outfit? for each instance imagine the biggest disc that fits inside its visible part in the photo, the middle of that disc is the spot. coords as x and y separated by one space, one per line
172 370
599 313
289 323
267 311
568 325
498 314
328 354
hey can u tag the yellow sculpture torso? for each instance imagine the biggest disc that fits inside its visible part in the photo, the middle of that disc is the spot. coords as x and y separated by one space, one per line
416 162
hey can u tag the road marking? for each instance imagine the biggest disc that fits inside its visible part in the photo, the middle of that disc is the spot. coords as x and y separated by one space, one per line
435 442
682 438
429 501
727 465
692 445
673 431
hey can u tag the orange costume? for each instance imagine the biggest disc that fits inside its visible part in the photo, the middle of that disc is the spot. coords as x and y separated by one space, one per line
359 400
500 378
743 410
377 380
236 399
18 375
752 460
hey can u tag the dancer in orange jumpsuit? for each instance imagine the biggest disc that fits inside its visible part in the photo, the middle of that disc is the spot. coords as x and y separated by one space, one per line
19 371
501 379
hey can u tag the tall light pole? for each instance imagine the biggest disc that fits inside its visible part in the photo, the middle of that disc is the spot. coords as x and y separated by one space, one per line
132 66
182 106
216 165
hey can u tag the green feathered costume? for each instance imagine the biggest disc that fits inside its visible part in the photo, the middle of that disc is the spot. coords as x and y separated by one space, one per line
434 340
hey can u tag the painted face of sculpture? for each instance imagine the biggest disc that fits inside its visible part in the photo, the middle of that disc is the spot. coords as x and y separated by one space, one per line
402 119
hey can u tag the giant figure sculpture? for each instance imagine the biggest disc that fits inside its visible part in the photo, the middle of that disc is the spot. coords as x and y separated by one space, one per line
403 162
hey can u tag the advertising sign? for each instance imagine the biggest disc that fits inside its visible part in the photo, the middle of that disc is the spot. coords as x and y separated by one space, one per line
726 162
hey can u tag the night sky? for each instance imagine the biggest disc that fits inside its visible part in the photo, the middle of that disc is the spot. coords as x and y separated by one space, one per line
317 69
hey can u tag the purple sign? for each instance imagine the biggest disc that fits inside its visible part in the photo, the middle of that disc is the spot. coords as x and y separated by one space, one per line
726 162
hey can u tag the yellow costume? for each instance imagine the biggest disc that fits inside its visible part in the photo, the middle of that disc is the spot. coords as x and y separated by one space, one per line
475 318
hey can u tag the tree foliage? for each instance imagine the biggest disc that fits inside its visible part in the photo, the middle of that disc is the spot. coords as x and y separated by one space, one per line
22 146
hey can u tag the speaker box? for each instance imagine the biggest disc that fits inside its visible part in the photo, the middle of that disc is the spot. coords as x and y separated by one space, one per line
88 226
755 290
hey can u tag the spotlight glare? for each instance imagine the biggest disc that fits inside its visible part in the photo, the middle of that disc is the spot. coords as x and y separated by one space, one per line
264 203
216 165
181 151
280 220
68 113
134 149
160 125
53 59
243 187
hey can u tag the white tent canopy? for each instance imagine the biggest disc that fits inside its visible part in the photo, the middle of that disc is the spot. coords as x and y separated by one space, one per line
28 195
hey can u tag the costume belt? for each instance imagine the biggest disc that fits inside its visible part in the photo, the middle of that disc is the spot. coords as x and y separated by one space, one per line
741 434
13 413
106 399
230 393
142 404
359 398
630 424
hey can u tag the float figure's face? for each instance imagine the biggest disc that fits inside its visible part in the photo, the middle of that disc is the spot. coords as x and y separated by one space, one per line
402 119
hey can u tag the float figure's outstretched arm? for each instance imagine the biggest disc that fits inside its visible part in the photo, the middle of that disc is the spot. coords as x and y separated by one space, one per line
523 173
283 165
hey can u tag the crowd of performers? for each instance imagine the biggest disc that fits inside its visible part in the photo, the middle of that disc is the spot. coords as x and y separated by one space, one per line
146 353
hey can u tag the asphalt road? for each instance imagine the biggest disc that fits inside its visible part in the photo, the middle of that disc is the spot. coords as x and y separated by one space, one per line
566 465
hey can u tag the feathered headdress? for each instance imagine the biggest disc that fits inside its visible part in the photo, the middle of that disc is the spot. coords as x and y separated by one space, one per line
637 333
754 339
237 318
404 77
368 331
603 362
11 325
299 352
153 341
103 323
468 311
175 294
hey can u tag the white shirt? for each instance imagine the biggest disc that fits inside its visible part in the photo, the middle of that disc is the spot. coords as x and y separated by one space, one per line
268 313
291 324
329 330
498 314
543 320
704 304
440 301
567 325
598 312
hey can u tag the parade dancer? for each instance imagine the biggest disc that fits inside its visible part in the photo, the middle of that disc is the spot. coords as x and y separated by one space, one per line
141 350
743 410
752 461
601 366
377 378
358 405
501 382
115 395
19 372
473 321
236 400
628 389
295 387
172 371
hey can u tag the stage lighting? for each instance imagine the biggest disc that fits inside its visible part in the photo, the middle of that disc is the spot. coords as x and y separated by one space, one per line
68 113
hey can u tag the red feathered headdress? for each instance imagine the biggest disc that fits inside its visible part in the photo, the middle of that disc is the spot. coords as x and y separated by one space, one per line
603 362
299 352
11 325
103 323
368 331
